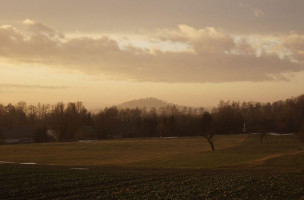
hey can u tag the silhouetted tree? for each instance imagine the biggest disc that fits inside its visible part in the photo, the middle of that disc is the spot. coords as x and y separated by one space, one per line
208 128
262 135
227 118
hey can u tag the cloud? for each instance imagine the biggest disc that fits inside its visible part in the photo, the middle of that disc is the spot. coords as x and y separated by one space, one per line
295 43
208 39
215 56
258 12
25 86
255 11
41 29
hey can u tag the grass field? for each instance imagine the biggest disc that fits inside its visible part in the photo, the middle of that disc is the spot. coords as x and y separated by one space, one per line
158 168
192 153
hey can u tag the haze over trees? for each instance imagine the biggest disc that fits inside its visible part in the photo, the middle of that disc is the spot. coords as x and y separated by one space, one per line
227 118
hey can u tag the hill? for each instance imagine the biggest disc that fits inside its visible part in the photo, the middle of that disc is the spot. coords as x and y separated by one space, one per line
148 103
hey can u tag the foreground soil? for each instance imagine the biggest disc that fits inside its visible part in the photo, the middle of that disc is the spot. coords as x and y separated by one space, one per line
65 182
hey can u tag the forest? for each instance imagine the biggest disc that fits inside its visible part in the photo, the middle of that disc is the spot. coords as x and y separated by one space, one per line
66 120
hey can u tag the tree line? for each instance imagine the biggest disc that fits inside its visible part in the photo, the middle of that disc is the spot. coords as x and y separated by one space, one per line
227 118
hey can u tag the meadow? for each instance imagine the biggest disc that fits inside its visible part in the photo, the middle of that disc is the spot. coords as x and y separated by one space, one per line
156 168
192 152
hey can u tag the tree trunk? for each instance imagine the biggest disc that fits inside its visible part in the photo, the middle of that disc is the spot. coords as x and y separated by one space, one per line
211 144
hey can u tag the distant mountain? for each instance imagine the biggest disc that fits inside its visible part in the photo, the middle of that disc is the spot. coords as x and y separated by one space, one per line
148 103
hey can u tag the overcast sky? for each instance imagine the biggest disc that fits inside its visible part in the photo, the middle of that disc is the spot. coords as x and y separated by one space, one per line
194 52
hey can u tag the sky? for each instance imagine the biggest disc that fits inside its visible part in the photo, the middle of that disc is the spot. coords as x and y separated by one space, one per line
193 53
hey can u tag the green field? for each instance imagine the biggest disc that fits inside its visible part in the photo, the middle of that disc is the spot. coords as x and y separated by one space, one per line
158 168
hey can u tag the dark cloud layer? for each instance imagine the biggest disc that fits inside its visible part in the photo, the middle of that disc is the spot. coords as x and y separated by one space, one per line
250 16
215 56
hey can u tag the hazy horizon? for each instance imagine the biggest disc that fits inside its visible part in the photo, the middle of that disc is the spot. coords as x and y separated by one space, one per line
192 53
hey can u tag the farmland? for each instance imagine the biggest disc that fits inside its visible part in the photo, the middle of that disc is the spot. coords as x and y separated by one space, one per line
54 182
157 168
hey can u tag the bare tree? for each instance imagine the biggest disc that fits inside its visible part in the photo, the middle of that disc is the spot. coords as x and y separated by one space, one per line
208 128
262 135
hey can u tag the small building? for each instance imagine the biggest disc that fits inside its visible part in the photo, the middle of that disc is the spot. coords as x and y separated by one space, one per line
244 128
52 134
17 135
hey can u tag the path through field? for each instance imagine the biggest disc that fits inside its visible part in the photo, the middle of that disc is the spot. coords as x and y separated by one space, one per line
272 156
